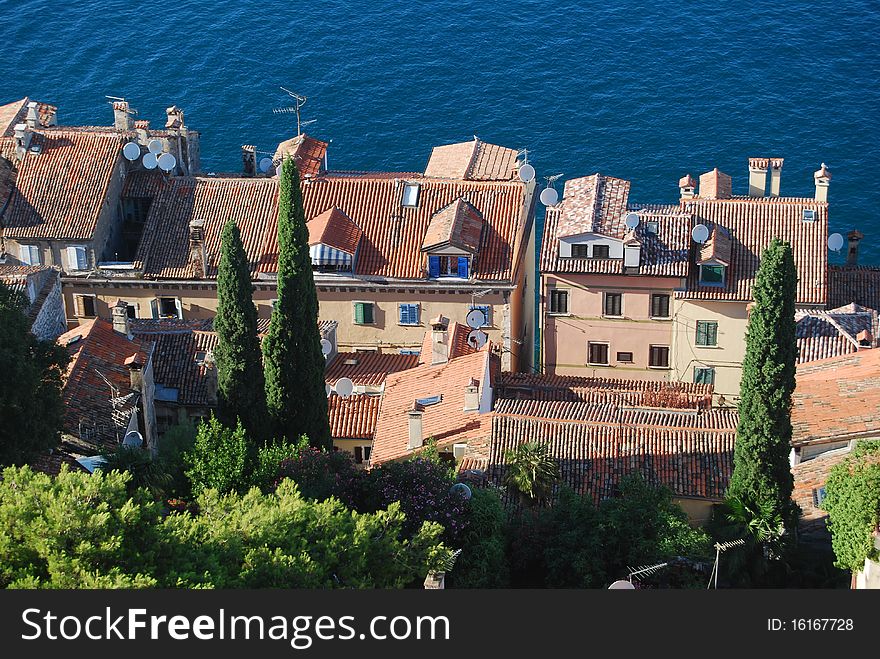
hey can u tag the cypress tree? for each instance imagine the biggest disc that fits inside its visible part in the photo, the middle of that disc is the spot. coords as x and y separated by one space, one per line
762 482
240 383
294 363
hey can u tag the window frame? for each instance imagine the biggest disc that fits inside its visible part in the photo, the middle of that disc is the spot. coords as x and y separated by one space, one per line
73 254
704 369
719 284
585 247
651 349
79 308
668 306
157 307
410 306
31 249
605 297
707 324
607 347
403 196
652 227
607 249
562 292
364 304
631 359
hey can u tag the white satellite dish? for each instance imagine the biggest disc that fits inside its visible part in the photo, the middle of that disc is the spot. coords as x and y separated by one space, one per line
131 151
167 162
344 387
133 439
476 319
526 173
621 585
155 146
477 339
549 197
150 160
632 220
329 390
265 165
326 347
700 233
835 242
462 489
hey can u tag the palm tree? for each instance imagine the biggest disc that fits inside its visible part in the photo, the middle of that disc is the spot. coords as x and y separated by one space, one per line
531 472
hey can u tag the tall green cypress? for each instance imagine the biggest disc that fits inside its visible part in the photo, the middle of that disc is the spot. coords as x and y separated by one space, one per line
294 363
240 384
762 480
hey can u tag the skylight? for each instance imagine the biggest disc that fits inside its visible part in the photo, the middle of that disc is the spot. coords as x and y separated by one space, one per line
431 400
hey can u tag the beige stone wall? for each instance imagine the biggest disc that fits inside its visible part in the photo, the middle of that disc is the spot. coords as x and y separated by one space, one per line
699 511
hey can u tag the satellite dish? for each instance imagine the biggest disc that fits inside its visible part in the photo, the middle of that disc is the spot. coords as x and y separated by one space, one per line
133 439
477 339
476 318
167 162
329 390
326 347
131 151
526 173
549 197
155 146
835 242
150 160
632 220
265 165
621 585
700 233
462 489
344 387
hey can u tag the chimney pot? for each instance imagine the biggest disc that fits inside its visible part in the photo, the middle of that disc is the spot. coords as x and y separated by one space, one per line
210 378
33 117
122 118
249 159
687 185
715 185
197 258
440 340
775 175
121 323
472 396
135 372
175 117
416 438
852 254
822 177
758 176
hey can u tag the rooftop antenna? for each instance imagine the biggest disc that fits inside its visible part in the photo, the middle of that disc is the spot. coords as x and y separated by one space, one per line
299 101
719 548
645 569
112 99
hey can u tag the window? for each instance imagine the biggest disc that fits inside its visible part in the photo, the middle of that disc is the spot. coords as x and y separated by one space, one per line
30 255
77 258
167 307
487 313
411 194
601 251
625 357
659 305
659 357
613 304
809 215
818 496
558 301
652 226
430 400
363 313
131 311
448 266
409 314
597 353
580 251
409 351
362 454
712 275
84 306
707 333
704 375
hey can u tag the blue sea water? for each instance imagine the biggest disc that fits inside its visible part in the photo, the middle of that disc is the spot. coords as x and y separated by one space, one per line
641 90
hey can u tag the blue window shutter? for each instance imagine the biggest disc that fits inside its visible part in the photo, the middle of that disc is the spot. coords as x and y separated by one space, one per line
404 314
433 266
463 267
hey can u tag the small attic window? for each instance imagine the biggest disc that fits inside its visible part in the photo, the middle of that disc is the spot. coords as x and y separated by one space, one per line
200 357
432 400
411 194
809 215
652 226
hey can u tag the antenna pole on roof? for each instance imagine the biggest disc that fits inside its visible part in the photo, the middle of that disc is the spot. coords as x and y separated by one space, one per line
299 101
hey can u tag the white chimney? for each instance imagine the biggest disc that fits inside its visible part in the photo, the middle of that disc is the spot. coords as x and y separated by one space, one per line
23 136
33 117
758 176
688 186
416 436
472 396
775 175
439 340
120 319
822 178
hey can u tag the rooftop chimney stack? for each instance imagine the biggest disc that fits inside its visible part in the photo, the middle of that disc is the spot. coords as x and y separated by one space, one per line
775 175
249 159
852 254
135 372
33 116
122 117
822 178
472 396
120 319
142 130
23 136
758 176
715 185
416 436
197 260
439 340
175 118
688 186
211 378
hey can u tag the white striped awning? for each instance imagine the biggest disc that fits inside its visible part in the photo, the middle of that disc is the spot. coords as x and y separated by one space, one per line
325 255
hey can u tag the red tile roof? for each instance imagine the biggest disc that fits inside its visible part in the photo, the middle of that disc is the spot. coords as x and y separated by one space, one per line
823 334
837 399
50 462
859 284
475 161
61 192
354 417
458 345
307 152
369 368
11 114
458 225
335 229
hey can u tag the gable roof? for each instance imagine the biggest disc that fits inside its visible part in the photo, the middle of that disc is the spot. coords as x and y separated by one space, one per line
179 363
335 229
354 417
369 368
823 334
457 335
459 225
473 161
854 283
307 152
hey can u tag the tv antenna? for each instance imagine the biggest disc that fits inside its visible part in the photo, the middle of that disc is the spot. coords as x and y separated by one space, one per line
114 99
719 548
645 569
299 101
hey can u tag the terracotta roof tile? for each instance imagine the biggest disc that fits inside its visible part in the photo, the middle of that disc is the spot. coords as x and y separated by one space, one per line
335 229
369 368
354 417
458 345
11 114
823 334
307 152
475 161
459 224
859 284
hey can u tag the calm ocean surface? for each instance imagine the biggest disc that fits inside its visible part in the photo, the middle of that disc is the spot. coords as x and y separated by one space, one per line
644 91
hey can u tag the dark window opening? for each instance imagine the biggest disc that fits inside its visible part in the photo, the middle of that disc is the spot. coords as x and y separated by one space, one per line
558 301
625 357
659 306
580 251
659 356
601 251
598 353
613 304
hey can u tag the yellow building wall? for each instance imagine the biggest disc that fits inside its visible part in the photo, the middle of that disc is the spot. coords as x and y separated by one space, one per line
699 511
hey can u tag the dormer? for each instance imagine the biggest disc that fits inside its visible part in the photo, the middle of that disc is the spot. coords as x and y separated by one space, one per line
452 240
590 246
333 241
714 258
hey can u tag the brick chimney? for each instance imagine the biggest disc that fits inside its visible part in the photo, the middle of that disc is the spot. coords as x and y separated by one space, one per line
472 396
249 159
122 117
33 116
687 185
197 259
142 129
758 176
23 135
120 318
775 175
416 432
440 340
210 379
715 185
822 178
135 372
852 254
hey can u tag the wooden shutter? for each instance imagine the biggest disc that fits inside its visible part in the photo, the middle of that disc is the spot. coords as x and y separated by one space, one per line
368 312
154 307
433 266
463 267
79 306
359 313
179 305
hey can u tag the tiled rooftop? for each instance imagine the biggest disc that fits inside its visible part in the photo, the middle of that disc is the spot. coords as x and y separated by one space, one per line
335 229
475 161
307 152
179 363
458 225
354 417
368 368
823 334
859 284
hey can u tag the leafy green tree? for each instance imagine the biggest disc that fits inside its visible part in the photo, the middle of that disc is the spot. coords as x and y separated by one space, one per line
270 457
146 471
574 556
177 441
483 560
30 389
221 458
240 384
293 361
762 482
532 473
852 499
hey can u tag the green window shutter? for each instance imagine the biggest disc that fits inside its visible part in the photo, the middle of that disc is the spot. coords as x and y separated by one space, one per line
712 333
367 313
359 313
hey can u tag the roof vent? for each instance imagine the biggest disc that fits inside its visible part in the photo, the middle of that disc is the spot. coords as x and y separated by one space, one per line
431 400
351 362
809 215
